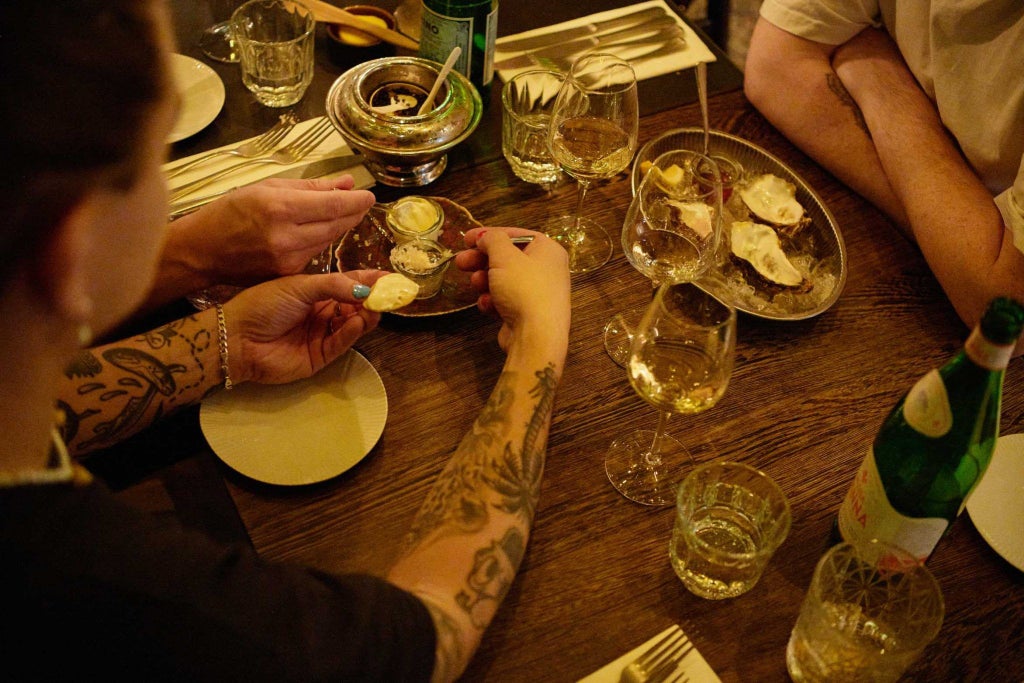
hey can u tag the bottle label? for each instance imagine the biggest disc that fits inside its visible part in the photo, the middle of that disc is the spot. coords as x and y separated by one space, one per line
926 407
866 513
440 33
985 354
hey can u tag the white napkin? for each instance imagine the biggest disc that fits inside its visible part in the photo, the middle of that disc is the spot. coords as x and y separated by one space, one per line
693 52
333 146
693 665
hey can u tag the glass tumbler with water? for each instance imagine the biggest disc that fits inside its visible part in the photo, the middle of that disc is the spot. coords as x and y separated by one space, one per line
730 518
526 103
869 612
275 45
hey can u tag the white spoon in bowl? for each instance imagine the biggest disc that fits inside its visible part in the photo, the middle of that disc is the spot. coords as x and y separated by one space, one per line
443 74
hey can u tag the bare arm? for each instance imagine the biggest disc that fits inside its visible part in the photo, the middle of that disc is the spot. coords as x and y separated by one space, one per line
952 214
792 82
470 535
255 233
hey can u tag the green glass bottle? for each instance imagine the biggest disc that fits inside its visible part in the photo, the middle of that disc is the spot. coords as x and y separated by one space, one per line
935 444
470 24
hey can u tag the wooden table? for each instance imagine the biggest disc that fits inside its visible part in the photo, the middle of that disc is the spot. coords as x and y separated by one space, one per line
804 403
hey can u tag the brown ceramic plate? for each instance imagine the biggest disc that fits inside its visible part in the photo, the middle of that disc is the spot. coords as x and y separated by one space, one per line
819 247
368 245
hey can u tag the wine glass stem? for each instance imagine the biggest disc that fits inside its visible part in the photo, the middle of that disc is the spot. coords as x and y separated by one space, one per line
654 454
581 193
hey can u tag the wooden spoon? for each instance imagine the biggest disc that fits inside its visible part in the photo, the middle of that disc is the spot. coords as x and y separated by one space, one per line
329 14
441 75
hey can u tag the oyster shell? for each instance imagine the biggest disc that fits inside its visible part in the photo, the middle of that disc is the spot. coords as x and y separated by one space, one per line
759 245
772 199
694 215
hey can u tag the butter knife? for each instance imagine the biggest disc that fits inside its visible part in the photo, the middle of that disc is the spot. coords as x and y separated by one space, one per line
557 37
314 169
536 57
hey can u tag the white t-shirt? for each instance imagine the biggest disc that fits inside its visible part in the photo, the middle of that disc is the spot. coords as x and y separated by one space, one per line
968 56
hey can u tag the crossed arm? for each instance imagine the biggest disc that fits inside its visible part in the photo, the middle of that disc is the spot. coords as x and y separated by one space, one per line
858 111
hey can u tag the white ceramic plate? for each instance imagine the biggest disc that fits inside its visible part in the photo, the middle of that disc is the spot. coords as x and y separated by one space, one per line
997 503
202 96
299 433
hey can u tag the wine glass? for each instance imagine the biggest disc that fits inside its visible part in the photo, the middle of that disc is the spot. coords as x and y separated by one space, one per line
216 41
672 231
680 361
593 135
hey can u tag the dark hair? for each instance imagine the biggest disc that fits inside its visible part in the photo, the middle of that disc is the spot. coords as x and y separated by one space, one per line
80 78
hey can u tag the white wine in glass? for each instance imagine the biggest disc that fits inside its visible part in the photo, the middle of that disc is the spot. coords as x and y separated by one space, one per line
680 361
593 135
672 231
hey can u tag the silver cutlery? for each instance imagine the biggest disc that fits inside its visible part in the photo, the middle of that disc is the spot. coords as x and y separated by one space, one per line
556 37
702 94
249 149
650 30
314 169
659 661
294 151
634 53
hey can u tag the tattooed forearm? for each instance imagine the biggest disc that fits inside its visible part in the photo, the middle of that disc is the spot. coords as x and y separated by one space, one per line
487 463
117 390
840 91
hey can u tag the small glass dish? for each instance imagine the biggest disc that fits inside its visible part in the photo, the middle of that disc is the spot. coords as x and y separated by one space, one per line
422 261
414 217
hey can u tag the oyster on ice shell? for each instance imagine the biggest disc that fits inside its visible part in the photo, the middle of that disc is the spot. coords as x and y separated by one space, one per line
694 215
772 199
759 245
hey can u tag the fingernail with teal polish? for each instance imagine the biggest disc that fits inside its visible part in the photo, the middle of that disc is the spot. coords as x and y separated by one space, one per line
360 291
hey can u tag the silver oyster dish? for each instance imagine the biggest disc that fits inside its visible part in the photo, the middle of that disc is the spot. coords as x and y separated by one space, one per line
374 106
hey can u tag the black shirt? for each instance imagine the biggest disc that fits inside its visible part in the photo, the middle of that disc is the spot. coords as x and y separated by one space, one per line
89 585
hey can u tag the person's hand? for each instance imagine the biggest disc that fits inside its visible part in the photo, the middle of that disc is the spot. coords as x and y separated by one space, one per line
525 287
291 328
268 229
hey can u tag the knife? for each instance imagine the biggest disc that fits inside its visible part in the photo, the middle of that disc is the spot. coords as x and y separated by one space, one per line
631 51
557 37
314 169
562 56
581 44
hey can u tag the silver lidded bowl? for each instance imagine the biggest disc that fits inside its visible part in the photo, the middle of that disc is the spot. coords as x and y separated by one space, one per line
403 149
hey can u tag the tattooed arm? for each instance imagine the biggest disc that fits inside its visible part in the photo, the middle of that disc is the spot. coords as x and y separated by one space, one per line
792 82
280 331
470 535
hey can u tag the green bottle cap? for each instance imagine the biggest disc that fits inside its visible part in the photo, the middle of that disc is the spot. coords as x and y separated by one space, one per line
1003 321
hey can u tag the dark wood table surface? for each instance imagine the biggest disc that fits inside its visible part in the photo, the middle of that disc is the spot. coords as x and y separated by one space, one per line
804 402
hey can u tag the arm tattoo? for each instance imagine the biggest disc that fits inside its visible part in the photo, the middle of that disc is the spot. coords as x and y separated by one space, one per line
137 379
840 91
448 650
494 567
456 504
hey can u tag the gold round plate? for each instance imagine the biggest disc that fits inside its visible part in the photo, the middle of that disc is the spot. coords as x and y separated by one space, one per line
369 244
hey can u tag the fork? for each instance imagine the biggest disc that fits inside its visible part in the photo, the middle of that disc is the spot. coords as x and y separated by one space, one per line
248 150
294 151
660 661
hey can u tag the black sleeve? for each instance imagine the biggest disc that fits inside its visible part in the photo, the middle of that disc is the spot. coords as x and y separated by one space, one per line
91 585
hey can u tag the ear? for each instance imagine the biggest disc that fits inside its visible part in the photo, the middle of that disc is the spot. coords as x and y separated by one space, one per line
62 270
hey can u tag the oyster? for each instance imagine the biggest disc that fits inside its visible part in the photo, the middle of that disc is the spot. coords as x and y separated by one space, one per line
759 245
694 215
772 199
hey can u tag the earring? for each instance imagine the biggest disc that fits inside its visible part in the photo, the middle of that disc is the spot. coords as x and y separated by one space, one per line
84 334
